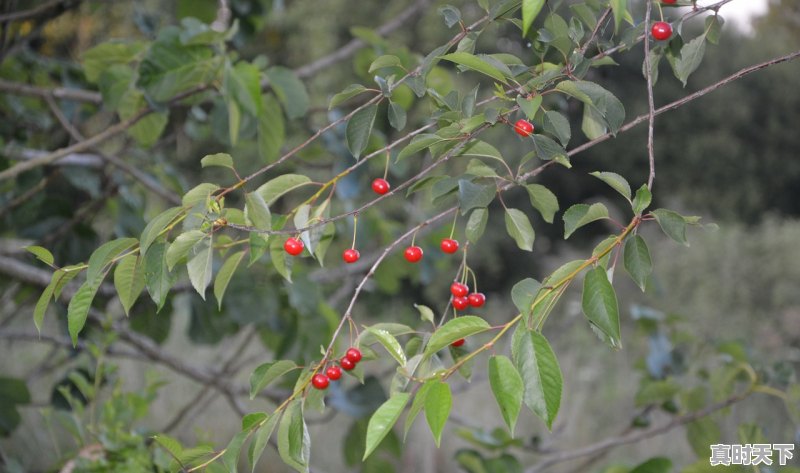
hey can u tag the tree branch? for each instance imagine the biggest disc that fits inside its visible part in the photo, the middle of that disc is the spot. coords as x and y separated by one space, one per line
76 95
651 114
41 10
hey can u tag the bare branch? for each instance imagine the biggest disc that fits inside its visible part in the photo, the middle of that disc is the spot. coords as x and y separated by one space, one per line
76 95
42 10
651 114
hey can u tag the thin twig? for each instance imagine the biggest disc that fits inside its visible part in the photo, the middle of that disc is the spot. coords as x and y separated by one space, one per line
41 10
651 114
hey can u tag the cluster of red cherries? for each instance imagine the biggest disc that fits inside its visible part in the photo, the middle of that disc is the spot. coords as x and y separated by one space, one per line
349 361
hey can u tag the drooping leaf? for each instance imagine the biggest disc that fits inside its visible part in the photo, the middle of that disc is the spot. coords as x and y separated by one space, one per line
529 106
271 129
179 248
359 128
642 200
460 327
78 309
507 388
200 266
257 211
397 116
129 280
690 59
230 458
637 260
290 91
294 443
673 224
267 373
438 402
225 274
530 10
103 256
581 214
156 226
242 83
543 200
523 294
519 228
390 343
620 9
476 224
547 149
44 302
471 196
617 182
558 125
260 440
540 373
599 303
157 276
383 420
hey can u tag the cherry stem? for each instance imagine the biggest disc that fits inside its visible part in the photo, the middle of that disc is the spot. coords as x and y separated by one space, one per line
386 167
660 11
453 228
474 280
355 230
413 238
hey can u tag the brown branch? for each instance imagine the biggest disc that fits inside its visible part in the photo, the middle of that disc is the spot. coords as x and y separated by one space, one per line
633 437
41 10
651 108
76 95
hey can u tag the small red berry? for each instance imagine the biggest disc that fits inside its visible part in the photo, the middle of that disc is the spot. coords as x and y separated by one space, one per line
334 372
669 2
413 254
346 364
460 302
380 186
523 128
293 246
661 30
320 381
459 290
476 299
351 255
353 354
458 342
449 245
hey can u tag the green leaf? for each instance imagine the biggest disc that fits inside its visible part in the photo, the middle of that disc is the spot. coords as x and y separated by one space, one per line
654 465
642 200
620 9
557 125
199 194
460 327
673 224
224 160
637 260
425 312
156 226
179 248
267 373
102 256
271 129
520 229
543 200
44 302
529 106
477 168
690 59
129 280
524 293
261 439
230 458
105 55
656 392
617 182
157 276
477 64
349 92
547 149
294 443
581 214
530 10
471 196
382 421
481 149
290 91
78 309
170 67
417 405
42 254
507 388
359 127
701 434
225 274
451 14
276 188
200 266
242 83
390 344
713 28
397 116
384 61
234 120
419 143
257 211
476 224
603 105
540 373
599 303
438 402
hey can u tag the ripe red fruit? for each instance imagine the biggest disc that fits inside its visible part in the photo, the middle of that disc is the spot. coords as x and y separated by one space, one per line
334 372
449 245
459 290
458 342
353 354
351 256
380 186
460 302
293 246
523 128
669 2
320 381
413 254
661 30
346 364
476 299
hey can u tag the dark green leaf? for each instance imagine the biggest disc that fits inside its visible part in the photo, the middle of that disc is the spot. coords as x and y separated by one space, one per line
530 10
690 59
540 373
471 196
294 443
260 440
382 421
267 373
243 85
157 276
129 280
637 260
581 214
156 226
276 188
290 91
654 465
170 67
507 387
558 125
220 159
397 116
225 274
547 149
475 63
359 128
438 402
673 224
200 266
599 303
520 229
642 200
451 15
460 327
271 129
106 55
78 309
617 182
418 143
349 92
523 294
42 254
476 224
543 200
620 9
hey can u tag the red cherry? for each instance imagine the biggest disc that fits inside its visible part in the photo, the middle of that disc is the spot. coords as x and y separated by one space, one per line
459 290
460 302
661 30
380 186
458 342
523 128
293 246
351 256
334 372
476 299
413 254
320 381
449 245
346 364
353 354
669 2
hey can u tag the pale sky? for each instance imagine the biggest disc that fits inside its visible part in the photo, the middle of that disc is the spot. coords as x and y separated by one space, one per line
740 11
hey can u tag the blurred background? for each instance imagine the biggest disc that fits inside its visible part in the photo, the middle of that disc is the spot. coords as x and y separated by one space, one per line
730 157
